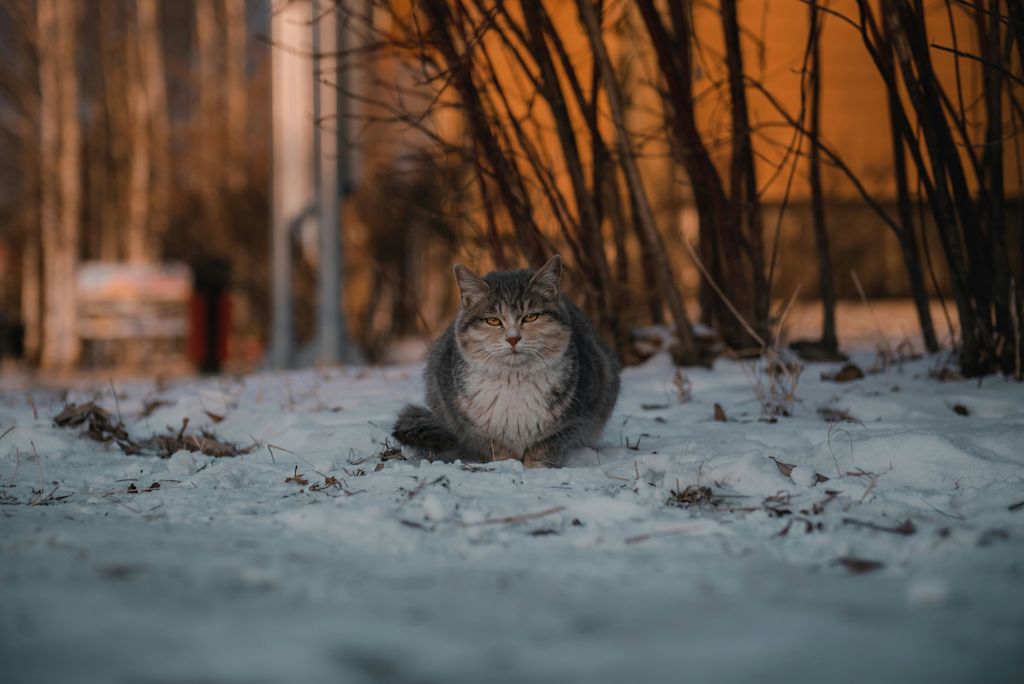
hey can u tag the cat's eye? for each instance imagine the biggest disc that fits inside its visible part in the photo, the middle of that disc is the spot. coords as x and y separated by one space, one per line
529 318
491 320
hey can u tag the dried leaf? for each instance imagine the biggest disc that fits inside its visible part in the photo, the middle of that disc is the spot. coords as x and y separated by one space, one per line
297 478
991 536
149 407
784 468
329 481
834 414
693 495
848 373
391 453
961 410
720 414
859 566
946 374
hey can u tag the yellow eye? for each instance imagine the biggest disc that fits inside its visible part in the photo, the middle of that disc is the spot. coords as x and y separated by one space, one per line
491 320
529 318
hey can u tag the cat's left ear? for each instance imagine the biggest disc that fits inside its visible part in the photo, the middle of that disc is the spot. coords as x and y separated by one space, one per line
545 280
471 286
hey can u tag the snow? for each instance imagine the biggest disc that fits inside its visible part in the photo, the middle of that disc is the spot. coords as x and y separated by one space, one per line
433 572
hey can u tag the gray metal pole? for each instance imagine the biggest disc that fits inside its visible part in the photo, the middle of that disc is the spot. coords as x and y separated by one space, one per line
291 197
332 340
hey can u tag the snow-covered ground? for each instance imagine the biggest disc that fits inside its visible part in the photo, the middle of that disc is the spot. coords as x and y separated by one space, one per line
906 564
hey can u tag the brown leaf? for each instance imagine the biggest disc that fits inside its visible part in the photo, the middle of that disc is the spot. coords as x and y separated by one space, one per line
215 417
297 477
946 374
390 453
833 414
784 468
149 407
848 373
720 416
859 566
694 495
961 410
329 481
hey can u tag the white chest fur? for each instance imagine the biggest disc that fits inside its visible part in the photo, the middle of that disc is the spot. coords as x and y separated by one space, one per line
510 406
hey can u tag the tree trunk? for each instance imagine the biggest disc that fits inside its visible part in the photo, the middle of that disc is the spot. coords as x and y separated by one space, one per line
140 164
31 296
61 173
112 214
155 80
235 50
515 201
742 176
907 234
720 236
209 138
589 228
829 340
666 278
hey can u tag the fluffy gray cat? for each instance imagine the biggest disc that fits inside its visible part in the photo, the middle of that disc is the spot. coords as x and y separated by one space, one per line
520 373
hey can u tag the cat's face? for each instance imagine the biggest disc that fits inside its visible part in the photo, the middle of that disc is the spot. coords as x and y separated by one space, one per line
513 318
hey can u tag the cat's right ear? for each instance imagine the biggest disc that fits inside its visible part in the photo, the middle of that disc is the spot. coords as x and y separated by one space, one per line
471 286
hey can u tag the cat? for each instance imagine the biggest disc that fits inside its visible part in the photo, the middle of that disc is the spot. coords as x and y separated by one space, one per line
520 373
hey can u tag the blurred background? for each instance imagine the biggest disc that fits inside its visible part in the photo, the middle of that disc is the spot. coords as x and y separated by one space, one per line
222 185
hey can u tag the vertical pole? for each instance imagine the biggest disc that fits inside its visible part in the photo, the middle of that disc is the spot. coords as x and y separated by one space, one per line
292 126
332 341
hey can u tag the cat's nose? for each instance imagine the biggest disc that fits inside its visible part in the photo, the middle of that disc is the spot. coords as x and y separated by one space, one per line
513 340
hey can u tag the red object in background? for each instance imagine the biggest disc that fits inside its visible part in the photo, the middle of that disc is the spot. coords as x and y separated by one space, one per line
209 330
209 316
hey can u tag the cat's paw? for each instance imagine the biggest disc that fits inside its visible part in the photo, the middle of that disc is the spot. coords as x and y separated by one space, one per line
536 461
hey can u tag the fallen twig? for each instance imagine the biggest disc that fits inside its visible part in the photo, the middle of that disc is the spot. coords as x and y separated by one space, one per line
905 528
514 518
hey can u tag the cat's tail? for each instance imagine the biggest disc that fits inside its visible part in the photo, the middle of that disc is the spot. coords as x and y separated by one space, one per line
416 427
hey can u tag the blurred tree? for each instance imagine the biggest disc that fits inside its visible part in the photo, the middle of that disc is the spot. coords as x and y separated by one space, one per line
60 163
235 80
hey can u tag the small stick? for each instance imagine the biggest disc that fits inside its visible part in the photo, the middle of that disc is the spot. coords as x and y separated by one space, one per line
948 515
39 466
7 431
654 535
514 518
871 310
289 451
117 404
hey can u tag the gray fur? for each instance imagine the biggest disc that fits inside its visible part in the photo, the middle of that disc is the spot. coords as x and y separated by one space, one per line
551 391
